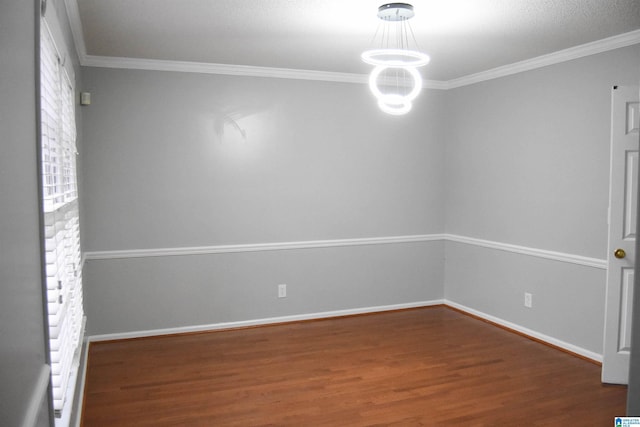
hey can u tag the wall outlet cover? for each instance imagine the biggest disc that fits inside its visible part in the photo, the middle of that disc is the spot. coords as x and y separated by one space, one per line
528 300
282 291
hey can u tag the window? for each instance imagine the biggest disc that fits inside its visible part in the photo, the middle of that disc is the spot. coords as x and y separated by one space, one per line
61 219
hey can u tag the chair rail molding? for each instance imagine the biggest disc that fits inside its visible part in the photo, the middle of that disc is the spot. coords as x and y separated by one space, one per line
525 250
259 247
313 244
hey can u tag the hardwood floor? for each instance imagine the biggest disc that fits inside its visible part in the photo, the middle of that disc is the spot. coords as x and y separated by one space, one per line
429 366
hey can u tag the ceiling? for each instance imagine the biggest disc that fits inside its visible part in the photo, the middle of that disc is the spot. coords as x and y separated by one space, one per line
463 37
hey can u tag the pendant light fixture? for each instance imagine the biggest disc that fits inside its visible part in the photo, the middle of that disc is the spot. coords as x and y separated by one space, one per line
395 80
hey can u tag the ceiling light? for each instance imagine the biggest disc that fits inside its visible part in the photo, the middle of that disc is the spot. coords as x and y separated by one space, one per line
395 80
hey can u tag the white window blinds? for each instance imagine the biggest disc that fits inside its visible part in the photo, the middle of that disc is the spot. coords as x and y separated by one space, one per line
61 219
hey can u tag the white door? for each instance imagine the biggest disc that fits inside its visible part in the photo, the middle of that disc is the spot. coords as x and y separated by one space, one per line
625 119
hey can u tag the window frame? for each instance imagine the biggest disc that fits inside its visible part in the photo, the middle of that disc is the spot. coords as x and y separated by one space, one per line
62 253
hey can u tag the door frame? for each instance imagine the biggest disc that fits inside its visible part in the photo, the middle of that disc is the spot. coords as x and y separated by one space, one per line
613 370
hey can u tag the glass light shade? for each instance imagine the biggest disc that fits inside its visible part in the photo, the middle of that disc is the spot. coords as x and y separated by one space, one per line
395 57
395 89
395 109
395 103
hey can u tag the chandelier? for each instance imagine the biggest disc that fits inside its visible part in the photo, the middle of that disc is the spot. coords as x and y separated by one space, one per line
395 80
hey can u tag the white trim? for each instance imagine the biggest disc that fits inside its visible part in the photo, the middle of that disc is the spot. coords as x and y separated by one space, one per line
73 14
52 26
599 46
610 43
340 313
529 332
228 69
258 247
433 84
37 397
524 250
260 322
83 378
233 70
67 411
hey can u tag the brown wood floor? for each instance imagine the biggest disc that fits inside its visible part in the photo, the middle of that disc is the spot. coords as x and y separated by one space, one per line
429 366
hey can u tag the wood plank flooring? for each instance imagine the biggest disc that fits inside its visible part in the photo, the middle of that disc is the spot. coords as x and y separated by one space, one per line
430 366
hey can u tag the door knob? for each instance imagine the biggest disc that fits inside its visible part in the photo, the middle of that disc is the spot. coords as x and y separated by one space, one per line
619 253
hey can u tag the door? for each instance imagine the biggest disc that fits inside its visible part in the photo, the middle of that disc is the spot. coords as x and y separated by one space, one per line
625 120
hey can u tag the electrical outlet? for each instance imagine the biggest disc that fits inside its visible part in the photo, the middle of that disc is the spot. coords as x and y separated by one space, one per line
282 291
528 300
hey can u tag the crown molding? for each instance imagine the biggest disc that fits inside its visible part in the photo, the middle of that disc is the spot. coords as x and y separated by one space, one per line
599 46
73 14
227 69
233 70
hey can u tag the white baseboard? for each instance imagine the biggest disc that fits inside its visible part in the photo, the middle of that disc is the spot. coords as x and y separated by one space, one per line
596 357
348 312
264 321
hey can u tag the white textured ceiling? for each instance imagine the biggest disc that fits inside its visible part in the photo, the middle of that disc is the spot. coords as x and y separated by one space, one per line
463 37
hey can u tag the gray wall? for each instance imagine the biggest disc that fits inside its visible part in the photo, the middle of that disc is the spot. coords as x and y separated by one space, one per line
177 160
140 294
166 163
568 299
527 163
22 330
180 160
